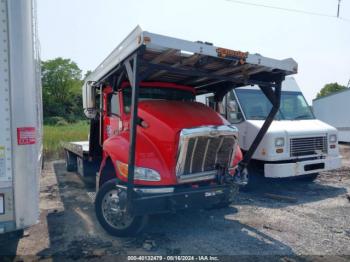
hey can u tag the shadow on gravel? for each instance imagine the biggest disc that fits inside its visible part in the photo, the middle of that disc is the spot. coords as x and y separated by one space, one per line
8 245
74 231
213 232
277 193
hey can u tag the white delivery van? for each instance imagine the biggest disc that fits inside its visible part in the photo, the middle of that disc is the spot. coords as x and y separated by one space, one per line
296 143
20 116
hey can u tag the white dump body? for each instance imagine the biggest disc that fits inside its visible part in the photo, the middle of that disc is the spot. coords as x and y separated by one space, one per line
334 110
20 115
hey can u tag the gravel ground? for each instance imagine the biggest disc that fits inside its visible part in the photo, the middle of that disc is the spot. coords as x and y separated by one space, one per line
283 218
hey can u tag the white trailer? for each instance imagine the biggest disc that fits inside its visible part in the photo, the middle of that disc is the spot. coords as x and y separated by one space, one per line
296 143
20 115
334 110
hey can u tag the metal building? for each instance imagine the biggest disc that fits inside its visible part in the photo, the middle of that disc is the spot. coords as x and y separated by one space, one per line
334 109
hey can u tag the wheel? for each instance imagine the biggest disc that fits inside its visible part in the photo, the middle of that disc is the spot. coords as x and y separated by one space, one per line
71 162
110 208
256 179
308 177
228 200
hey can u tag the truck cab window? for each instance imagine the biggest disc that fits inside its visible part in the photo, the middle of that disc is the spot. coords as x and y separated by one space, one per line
157 93
210 102
114 106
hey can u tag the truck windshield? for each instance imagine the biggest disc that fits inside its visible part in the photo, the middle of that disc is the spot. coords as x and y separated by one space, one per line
157 93
256 106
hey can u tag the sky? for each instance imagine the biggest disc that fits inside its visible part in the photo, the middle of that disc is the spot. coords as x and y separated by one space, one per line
86 31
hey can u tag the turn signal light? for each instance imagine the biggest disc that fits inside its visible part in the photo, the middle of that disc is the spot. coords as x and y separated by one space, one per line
279 150
123 169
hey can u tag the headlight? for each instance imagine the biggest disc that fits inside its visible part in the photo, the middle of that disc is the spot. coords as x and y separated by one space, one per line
141 173
279 142
333 138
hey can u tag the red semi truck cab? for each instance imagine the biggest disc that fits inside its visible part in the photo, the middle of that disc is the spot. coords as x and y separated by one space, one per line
153 147
185 155
178 140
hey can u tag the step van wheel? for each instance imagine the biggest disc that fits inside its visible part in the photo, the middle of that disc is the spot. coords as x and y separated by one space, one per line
71 161
110 208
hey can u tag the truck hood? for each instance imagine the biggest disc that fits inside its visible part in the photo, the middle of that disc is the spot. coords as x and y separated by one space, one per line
177 115
158 139
296 128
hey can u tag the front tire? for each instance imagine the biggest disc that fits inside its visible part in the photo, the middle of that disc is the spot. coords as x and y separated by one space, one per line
227 201
110 208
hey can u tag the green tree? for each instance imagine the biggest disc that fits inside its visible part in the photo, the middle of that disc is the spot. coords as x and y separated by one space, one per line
330 88
61 80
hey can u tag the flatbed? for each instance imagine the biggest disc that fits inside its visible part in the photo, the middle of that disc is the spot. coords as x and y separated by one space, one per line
77 158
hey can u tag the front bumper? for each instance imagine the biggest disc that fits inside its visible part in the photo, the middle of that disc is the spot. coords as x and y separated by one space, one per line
280 170
149 201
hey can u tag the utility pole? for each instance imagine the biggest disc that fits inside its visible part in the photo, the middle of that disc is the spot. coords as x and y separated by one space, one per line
338 8
348 84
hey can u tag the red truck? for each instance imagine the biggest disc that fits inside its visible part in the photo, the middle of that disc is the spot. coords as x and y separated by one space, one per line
153 148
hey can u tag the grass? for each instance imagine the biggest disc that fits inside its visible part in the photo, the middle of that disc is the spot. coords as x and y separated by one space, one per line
54 135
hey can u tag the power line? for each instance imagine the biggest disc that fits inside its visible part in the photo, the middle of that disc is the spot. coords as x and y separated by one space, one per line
291 9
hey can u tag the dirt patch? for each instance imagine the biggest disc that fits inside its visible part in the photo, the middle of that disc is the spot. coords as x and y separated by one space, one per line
316 223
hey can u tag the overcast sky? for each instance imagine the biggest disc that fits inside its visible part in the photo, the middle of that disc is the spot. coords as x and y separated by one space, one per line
86 31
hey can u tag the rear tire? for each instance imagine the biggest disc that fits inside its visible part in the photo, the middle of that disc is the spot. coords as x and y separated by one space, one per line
111 213
71 162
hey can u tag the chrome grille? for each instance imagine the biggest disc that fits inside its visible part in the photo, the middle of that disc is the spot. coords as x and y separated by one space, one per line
308 146
202 150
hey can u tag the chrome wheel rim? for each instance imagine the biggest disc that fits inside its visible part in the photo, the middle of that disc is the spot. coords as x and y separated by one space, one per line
112 212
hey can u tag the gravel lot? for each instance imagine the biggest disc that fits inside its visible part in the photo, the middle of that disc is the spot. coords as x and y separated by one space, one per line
311 219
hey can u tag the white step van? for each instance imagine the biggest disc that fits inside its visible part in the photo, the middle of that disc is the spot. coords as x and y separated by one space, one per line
296 143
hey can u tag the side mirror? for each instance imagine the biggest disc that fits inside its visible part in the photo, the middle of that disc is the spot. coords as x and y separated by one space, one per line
89 99
221 108
235 117
232 106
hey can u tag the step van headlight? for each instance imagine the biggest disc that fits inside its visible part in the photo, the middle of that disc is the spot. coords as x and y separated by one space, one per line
333 138
279 142
141 173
